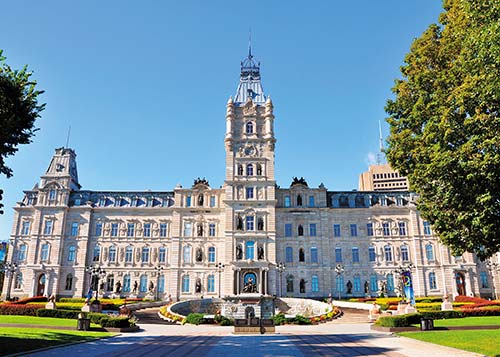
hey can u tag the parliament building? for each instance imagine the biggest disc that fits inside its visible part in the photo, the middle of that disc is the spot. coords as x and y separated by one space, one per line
298 241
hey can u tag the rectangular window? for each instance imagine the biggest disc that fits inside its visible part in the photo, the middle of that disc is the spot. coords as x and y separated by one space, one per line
145 255
314 255
98 229
402 228
338 255
288 229
312 229
114 229
74 229
147 229
289 254
44 256
188 201
355 255
250 223
48 227
386 229
314 284
130 229
163 229
427 228
162 253
188 229
26 228
288 201
128 255
388 253
354 230
211 255
211 229
212 201
336 230
52 195
372 256
249 192
311 201
357 284
21 254
483 277
404 253
369 229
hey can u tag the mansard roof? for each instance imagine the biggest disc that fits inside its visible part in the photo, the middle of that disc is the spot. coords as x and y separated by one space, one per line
250 86
122 198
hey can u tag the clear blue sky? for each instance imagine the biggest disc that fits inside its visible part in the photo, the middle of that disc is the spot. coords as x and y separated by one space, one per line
144 85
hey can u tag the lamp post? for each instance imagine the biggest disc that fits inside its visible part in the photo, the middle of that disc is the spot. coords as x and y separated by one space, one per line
339 270
9 269
158 269
493 267
281 268
96 273
219 268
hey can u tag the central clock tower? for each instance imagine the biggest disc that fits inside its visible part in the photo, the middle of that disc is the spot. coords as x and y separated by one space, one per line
250 231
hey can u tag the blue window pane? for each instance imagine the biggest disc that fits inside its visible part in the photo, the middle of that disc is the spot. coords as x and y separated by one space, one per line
314 284
143 286
249 250
211 284
185 284
369 229
355 255
336 230
288 230
338 255
312 229
161 284
354 230
314 255
289 254
371 254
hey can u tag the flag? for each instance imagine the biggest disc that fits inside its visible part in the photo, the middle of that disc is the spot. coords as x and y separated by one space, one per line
408 286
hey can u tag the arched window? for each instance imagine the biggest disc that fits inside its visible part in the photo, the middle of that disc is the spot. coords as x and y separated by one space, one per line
21 254
44 256
186 254
339 283
404 253
299 200
259 169
249 170
112 254
126 283
97 254
388 253
211 254
302 286
240 169
249 127
429 252
143 286
314 284
211 284
129 254
145 255
289 284
300 230
432 280
390 282
185 284
162 255
19 281
69 282
289 255
249 250
110 282
71 255
161 284
357 283
302 257
373 283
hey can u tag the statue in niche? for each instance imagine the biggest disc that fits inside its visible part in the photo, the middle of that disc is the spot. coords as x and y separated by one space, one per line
301 255
239 223
239 252
299 200
250 286
199 255
118 287
260 252
349 287
302 286
259 169
200 200
300 230
134 288
367 287
260 224
200 229
198 285
151 287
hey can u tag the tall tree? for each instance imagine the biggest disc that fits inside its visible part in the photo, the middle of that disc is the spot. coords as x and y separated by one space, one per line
445 125
19 108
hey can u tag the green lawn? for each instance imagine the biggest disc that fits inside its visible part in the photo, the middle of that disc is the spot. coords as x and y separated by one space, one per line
479 341
33 320
469 321
16 340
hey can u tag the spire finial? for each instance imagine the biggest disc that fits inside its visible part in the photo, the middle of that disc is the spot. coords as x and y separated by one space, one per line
250 43
381 140
67 138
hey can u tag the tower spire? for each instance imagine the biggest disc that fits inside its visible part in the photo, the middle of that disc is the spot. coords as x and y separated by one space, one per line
381 144
250 43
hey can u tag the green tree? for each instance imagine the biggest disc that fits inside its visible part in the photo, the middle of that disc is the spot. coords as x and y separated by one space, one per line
19 108
445 125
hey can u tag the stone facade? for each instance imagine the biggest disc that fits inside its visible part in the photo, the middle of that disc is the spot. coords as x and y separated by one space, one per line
201 241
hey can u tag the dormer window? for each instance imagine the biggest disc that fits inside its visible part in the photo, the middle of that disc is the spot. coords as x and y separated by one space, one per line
249 170
249 128
52 195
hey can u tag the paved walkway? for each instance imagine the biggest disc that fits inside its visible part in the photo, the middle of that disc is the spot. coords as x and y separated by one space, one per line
329 339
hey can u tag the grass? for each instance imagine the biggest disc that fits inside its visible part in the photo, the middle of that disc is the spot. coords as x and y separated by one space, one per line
469 321
478 341
33 320
16 340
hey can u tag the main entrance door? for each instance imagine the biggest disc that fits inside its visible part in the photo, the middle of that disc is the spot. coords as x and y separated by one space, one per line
40 286
460 281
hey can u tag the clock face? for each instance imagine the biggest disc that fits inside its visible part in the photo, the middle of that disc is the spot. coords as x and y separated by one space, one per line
249 150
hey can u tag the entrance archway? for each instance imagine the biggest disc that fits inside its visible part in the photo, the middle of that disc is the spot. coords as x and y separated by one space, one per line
40 286
460 281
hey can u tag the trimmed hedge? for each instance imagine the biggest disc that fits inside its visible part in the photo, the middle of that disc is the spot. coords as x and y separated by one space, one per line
12 309
194 319
62 314
31 299
399 320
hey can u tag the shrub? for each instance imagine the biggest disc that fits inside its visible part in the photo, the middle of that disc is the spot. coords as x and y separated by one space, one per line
440 315
301 320
194 319
63 314
279 319
115 322
485 311
225 321
462 298
80 300
31 299
12 309
399 320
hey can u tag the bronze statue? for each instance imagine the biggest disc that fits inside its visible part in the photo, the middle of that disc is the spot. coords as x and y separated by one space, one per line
349 287
198 285
260 252
239 252
250 286
367 287
118 287
134 289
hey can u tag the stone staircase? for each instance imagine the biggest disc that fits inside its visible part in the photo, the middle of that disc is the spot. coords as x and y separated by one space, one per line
353 316
150 316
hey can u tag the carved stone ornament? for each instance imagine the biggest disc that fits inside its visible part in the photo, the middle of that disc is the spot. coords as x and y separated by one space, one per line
250 108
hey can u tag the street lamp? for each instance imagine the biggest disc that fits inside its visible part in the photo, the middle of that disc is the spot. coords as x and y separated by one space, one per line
96 273
219 268
9 269
158 269
493 267
339 270
281 268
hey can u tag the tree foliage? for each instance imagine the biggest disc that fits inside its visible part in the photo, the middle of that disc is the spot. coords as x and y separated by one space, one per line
445 125
19 108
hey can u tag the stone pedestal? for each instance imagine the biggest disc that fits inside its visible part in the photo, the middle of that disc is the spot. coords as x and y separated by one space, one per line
446 306
93 307
410 309
50 305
